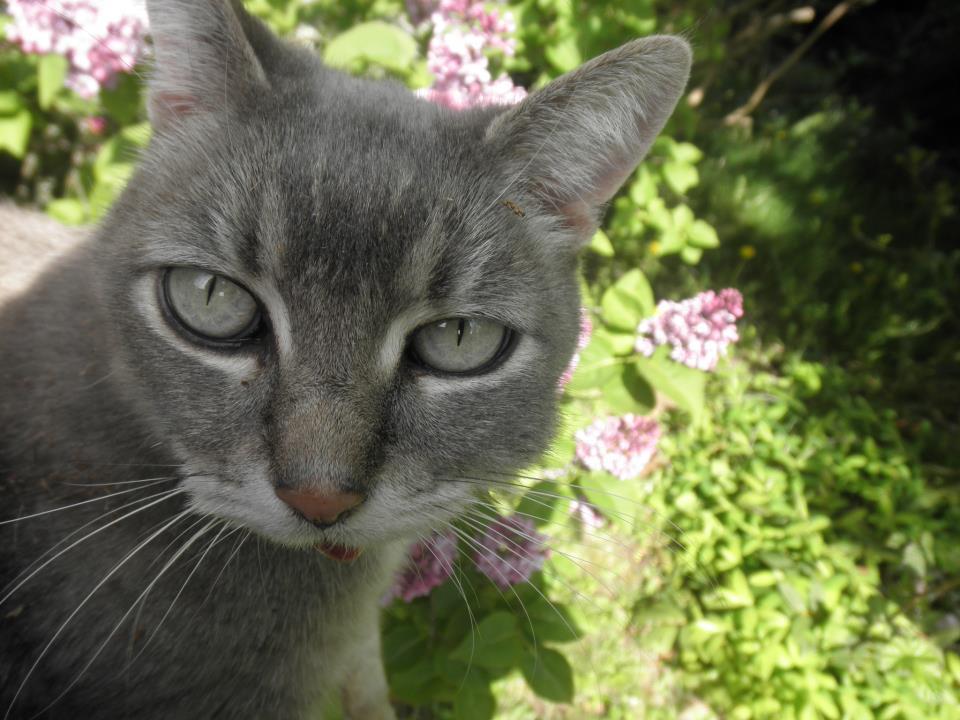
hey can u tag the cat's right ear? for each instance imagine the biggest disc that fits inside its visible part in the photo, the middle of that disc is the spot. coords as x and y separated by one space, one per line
569 146
203 59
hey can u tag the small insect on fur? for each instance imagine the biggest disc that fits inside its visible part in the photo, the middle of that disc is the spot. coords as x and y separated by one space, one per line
517 210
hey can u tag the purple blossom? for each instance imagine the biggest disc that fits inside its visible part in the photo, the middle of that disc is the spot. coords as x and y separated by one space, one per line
587 513
510 551
698 330
463 30
430 564
100 40
621 446
586 330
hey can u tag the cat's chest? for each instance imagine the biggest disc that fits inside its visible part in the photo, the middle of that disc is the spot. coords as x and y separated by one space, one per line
219 624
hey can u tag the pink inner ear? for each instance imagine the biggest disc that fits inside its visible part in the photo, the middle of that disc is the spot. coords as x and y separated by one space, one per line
167 108
581 208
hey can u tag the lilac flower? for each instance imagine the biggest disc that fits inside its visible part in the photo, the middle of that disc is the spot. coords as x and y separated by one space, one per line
95 125
462 31
510 551
586 330
100 40
621 446
430 564
698 330
587 513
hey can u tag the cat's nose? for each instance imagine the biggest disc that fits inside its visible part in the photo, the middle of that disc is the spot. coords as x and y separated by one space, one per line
322 508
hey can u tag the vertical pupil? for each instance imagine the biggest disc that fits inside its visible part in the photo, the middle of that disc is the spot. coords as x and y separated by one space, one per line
460 324
211 285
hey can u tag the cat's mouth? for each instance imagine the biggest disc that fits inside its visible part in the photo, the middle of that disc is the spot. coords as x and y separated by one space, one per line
341 553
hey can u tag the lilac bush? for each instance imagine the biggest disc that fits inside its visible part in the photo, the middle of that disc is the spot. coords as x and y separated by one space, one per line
698 330
510 551
99 40
430 564
622 446
463 32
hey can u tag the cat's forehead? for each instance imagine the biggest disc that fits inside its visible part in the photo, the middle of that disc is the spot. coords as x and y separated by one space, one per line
353 219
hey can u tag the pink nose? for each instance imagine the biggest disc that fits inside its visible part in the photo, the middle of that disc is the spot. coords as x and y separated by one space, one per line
323 508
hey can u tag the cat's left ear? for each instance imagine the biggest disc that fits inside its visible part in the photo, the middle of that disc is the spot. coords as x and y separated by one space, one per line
569 147
204 59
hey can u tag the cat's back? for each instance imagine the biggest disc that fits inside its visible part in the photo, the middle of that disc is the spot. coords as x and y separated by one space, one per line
29 243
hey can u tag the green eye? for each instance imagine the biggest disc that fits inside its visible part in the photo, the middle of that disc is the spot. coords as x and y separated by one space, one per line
460 345
210 306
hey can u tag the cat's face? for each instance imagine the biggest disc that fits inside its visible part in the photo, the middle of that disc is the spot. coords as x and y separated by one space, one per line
347 252
387 290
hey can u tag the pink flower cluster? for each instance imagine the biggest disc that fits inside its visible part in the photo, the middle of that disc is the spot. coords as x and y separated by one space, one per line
586 330
698 330
430 563
622 446
99 39
510 551
463 30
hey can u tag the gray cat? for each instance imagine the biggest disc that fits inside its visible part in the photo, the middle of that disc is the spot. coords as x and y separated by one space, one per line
319 308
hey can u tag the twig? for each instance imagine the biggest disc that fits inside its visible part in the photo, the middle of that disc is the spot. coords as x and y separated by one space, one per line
832 18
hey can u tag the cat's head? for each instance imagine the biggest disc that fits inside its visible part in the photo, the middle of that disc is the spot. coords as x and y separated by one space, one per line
329 295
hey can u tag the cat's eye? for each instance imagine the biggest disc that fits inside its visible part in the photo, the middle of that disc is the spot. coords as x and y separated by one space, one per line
460 345
210 306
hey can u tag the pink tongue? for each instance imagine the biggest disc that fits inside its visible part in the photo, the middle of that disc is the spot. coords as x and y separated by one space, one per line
339 552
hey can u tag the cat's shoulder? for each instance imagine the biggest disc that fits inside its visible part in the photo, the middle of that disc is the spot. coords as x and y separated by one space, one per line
29 242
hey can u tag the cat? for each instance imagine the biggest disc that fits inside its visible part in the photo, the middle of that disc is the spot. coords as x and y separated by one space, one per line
319 307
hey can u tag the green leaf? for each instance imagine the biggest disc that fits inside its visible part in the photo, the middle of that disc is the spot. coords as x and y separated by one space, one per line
15 133
598 364
659 612
691 255
51 72
564 55
375 43
702 235
549 675
734 593
607 493
122 102
628 301
644 188
686 153
68 211
680 176
601 245
539 503
494 643
10 102
551 621
683 385
629 392
403 646
474 701
414 684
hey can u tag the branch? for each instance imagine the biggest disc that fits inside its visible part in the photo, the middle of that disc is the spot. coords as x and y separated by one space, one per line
832 18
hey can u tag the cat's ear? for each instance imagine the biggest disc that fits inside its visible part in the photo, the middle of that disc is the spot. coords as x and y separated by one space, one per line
203 58
571 145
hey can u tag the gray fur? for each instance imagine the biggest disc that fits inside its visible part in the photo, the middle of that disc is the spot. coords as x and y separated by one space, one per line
355 212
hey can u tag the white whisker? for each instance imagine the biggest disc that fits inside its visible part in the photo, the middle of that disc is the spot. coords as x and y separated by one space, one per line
80 606
100 498
163 496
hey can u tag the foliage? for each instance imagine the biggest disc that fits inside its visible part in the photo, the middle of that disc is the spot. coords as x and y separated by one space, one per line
774 607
